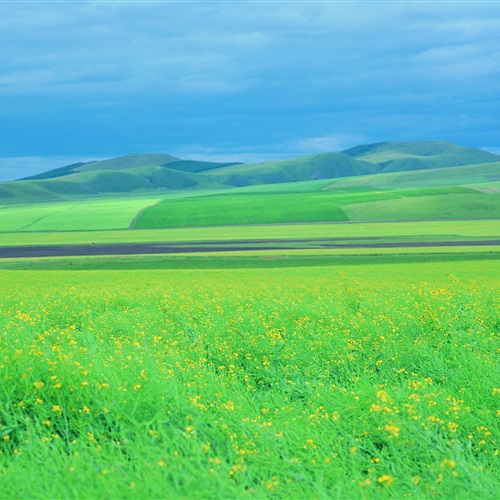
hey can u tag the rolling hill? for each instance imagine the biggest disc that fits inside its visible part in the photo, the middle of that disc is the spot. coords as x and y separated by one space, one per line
422 155
157 174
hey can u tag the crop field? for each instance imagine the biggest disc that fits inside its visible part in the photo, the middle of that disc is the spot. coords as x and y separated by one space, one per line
313 382
114 213
468 193
324 206
416 230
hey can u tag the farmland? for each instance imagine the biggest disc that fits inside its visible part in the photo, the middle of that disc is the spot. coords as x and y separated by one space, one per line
114 213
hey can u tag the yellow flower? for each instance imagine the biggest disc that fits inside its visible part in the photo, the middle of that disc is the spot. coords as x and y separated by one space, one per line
385 480
392 429
450 463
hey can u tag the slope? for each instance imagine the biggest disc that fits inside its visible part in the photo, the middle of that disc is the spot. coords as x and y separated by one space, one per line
161 173
419 155
304 168
453 192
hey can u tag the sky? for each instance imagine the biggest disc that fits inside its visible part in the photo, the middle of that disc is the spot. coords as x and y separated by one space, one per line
241 80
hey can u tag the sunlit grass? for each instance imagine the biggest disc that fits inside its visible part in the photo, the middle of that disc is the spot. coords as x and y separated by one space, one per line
487 229
353 381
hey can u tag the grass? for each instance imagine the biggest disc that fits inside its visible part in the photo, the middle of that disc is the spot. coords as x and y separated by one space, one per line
392 156
439 230
465 175
324 206
265 259
115 213
346 381
241 209
427 207
304 168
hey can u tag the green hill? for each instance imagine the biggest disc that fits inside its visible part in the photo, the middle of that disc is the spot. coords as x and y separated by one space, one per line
304 168
420 155
447 193
161 173
129 161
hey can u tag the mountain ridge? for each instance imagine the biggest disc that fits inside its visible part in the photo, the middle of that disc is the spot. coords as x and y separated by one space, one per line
159 172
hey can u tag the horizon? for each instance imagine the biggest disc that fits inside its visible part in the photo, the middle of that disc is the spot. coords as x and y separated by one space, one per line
34 166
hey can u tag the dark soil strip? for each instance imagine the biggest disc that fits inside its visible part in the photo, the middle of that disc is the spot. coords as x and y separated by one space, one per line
215 246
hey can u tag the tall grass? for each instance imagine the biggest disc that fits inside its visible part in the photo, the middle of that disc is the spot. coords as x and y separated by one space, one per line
328 382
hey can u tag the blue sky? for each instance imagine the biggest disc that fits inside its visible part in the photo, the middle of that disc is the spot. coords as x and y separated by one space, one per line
241 80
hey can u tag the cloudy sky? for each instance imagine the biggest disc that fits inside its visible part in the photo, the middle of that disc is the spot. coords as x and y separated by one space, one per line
243 80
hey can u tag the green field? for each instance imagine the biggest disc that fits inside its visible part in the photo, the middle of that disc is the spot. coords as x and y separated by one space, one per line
416 230
315 382
325 206
115 213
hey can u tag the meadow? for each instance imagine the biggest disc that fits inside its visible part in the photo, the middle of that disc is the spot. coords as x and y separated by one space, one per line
301 368
90 215
346 381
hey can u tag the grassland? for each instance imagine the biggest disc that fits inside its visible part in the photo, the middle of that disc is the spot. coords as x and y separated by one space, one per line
458 192
116 213
448 230
325 206
161 173
302 372
345 381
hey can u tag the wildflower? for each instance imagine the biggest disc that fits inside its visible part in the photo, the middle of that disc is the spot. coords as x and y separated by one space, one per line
385 480
392 429
450 463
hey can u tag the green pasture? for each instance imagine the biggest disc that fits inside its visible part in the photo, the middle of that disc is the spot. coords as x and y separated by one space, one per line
456 206
267 259
325 206
114 213
241 209
439 230
459 192
465 175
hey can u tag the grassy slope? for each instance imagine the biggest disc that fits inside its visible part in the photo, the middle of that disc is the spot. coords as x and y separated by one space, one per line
90 215
427 207
470 174
305 168
325 206
241 209
129 161
403 156
153 172
381 196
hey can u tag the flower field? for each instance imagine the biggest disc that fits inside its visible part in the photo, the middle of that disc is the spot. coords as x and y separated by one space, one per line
346 381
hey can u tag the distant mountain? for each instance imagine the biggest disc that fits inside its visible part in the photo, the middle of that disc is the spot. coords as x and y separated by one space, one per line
304 168
153 173
420 155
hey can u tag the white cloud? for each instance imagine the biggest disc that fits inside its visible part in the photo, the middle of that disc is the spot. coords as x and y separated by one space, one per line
328 143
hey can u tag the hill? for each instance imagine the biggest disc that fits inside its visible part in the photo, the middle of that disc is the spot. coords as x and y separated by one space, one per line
456 192
304 168
161 173
420 155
